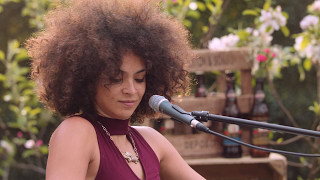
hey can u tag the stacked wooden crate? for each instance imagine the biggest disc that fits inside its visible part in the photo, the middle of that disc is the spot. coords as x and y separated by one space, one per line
206 145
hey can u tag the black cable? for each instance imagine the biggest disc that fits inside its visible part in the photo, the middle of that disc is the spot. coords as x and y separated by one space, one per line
261 148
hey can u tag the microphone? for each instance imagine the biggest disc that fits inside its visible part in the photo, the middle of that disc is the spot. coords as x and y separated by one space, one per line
161 104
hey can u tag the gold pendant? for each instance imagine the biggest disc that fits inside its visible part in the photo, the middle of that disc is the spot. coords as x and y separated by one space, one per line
130 158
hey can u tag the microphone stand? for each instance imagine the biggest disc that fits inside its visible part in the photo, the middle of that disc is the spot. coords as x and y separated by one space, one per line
205 116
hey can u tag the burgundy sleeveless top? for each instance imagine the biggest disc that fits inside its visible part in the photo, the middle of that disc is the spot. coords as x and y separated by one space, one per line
112 163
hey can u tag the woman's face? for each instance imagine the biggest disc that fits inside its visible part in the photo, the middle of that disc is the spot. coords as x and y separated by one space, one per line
120 98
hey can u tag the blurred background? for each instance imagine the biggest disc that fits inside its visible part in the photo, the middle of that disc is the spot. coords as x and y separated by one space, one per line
290 30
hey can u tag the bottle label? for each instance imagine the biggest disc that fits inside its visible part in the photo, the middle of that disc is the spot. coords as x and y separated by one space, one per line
233 131
227 142
259 95
231 95
260 136
261 119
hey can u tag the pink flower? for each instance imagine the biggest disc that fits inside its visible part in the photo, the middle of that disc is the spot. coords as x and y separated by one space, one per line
261 58
39 142
273 55
267 50
19 134
29 144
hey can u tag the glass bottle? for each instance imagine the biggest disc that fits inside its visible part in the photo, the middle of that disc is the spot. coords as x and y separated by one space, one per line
158 124
200 88
259 112
231 149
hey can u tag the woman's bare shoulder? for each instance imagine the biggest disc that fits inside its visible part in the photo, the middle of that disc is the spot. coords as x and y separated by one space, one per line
73 134
73 126
74 140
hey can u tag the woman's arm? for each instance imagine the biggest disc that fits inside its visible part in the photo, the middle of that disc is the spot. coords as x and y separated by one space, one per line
71 149
172 165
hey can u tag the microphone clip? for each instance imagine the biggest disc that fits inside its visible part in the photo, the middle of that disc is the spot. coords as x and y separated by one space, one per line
200 115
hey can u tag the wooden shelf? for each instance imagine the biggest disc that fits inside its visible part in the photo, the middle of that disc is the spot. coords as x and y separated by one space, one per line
274 167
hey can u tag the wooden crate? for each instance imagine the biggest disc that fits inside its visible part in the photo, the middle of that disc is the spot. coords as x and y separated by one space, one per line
207 145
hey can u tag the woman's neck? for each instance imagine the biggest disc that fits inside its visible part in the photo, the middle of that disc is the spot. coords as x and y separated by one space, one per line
114 126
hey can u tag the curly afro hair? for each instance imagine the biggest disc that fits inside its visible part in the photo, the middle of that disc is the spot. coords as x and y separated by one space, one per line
84 39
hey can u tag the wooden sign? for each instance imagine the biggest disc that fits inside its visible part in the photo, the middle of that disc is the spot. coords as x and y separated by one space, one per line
209 60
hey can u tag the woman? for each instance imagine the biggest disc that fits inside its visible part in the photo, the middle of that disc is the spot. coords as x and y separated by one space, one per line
97 63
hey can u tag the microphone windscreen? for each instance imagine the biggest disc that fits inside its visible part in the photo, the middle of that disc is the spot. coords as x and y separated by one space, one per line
155 101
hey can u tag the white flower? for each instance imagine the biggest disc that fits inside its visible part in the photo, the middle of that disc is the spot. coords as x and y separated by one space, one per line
230 40
8 147
256 33
193 6
312 50
272 19
24 112
309 21
29 144
215 44
224 42
249 30
298 41
315 7
279 17
7 98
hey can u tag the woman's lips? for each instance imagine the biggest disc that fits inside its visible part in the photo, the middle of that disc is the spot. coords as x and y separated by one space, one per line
128 103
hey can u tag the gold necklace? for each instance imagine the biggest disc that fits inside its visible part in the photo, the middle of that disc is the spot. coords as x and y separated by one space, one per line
127 155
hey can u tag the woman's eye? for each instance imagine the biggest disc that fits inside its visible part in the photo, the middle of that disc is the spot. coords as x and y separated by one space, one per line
140 80
116 80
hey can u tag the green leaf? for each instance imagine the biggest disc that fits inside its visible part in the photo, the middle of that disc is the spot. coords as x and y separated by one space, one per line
13 125
28 153
305 42
15 44
270 135
201 6
218 3
44 149
193 14
205 29
315 108
34 130
2 77
2 56
285 31
302 160
285 14
280 140
210 7
267 5
187 23
250 12
22 55
307 64
301 73
14 108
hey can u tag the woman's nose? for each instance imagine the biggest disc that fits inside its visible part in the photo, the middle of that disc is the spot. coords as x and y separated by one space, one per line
129 87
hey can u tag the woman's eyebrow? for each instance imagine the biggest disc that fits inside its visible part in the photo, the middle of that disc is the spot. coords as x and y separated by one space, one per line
142 70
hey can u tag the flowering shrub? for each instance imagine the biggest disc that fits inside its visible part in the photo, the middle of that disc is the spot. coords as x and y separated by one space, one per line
23 121
264 59
307 43
258 38
223 43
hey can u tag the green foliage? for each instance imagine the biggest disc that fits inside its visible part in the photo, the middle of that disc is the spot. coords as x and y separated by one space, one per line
315 108
21 113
